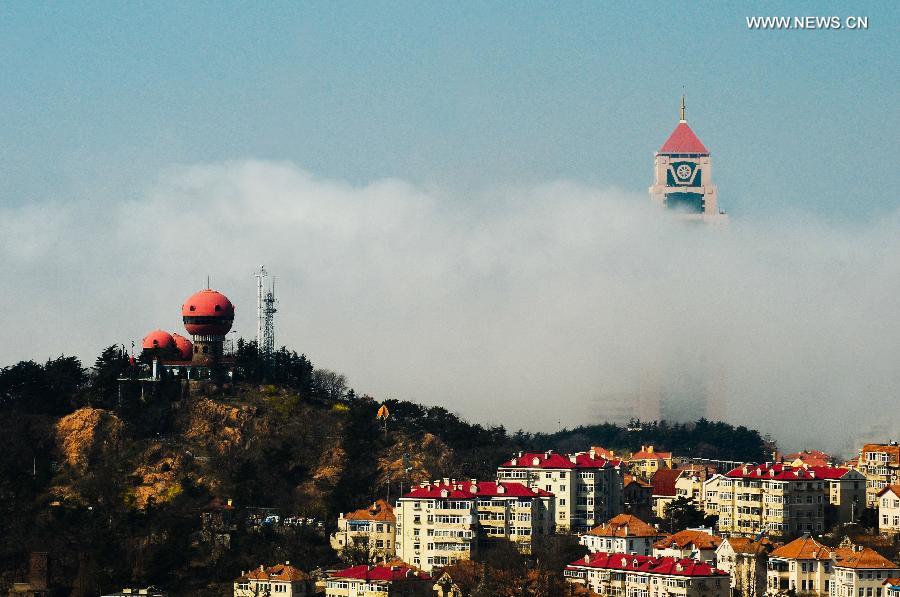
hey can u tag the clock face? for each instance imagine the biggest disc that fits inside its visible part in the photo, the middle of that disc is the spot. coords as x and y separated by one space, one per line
683 172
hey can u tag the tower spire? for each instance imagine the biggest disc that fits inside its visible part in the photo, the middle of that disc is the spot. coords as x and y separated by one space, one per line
682 106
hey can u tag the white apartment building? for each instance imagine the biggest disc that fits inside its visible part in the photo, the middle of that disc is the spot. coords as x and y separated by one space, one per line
621 575
443 522
588 488
786 500
378 581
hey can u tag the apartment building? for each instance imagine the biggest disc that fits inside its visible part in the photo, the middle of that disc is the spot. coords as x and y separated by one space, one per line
860 572
645 462
444 522
588 489
889 510
745 561
638 497
620 575
786 500
372 529
710 495
697 544
379 581
880 463
803 566
513 512
437 524
622 534
281 579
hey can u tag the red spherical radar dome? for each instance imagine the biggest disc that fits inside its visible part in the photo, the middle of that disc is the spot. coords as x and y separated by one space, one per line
157 339
207 313
185 347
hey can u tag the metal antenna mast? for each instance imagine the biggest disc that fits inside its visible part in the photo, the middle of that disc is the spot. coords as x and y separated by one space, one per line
260 308
265 314
269 327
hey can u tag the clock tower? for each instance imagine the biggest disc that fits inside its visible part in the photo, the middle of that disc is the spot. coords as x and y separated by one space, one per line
683 180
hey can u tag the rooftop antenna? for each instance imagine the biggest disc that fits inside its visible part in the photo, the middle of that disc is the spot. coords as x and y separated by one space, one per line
682 104
207 281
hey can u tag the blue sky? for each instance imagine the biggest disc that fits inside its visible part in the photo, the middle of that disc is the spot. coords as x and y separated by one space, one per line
100 97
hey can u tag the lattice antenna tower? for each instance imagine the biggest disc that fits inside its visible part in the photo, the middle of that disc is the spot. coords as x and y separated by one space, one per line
261 274
269 323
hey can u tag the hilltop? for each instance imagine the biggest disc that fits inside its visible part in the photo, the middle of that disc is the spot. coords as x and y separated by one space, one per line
111 477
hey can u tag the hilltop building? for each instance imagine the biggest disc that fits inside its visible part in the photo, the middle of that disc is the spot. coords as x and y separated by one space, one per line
683 176
207 316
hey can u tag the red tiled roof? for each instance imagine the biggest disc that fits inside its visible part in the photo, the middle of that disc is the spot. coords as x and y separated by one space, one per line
468 491
384 573
625 525
558 461
655 565
379 511
683 539
786 472
683 140
663 481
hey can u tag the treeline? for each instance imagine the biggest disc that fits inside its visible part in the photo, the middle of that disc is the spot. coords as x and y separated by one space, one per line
698 439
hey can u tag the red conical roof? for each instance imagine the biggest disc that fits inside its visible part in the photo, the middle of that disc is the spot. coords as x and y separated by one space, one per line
683 140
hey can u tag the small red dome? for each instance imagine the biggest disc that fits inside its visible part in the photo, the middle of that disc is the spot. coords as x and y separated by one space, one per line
157 339
184 346
207 313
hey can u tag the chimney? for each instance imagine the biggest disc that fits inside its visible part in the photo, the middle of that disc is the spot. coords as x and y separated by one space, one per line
230 502
572 458
287 562
650 449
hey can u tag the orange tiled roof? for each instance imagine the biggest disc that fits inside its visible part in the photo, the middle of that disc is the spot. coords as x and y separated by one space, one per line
864 558
380 511
894 582
747 545
804 548
283 572
654 455
682 539
894 488
892 451
625 525
629 479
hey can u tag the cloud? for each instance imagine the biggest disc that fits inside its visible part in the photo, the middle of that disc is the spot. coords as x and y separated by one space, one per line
516 305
